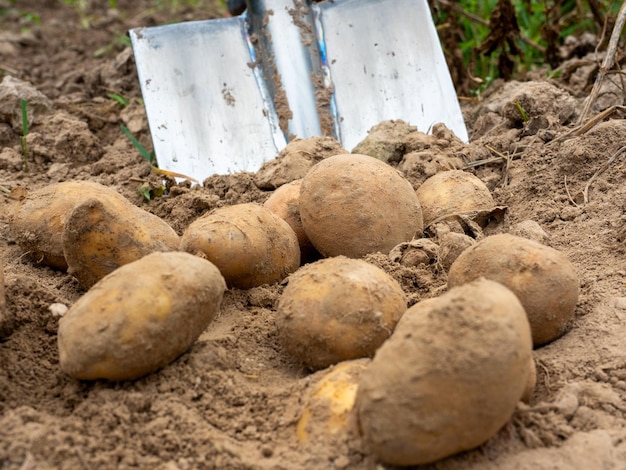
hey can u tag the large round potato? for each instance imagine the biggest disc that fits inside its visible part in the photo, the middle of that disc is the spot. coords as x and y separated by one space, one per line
100 236
37 222
337 309
453 192
354 204
249 244
543 279
448 378
140 317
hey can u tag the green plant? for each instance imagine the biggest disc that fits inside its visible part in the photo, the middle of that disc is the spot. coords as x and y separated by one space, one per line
488 39
29 18
148 156
522 112
119 42
149 191
123 102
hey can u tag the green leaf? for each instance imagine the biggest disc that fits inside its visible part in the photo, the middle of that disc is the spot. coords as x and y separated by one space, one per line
522 111
149 157
119 98
23 104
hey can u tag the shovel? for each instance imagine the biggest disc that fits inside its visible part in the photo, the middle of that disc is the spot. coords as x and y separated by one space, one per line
226 95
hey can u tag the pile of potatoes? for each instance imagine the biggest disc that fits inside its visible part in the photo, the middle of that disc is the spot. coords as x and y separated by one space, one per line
415 384
150 292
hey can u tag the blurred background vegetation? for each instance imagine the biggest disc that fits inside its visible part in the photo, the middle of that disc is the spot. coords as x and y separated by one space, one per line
485 40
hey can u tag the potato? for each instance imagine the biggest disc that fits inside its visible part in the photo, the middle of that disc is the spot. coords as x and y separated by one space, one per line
543 279
249 244
337 309
448 378
327 411
37 222
354 204
285 203
100 236
531 383
140 317
452 192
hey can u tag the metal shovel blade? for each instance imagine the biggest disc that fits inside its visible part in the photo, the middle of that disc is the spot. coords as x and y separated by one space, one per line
226 95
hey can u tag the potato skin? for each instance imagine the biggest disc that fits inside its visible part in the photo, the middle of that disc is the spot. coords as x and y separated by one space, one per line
37 222
337 309
140 317
100 236
531 384
542 278
328 412
452 192
285 203
353 204
449 377
249 244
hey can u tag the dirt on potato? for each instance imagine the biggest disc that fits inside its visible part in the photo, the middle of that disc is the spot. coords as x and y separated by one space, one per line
234 399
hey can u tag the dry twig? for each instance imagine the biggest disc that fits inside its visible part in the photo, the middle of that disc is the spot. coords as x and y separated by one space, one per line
571 199
499 158
581 129
608 61
601 170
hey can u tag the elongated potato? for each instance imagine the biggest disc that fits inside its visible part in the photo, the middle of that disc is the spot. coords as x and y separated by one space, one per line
100 236
140 317
448 378
543 279
249 244
353 204
38 220
337 309
453 192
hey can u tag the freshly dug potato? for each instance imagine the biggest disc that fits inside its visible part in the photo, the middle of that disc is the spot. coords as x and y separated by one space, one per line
285 203
38 220
337 309
249 244
448 378
543 279
100 236
140 317
531 383
452 192
327 411
354 204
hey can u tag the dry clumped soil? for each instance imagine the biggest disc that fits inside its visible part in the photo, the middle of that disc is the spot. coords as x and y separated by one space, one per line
233 400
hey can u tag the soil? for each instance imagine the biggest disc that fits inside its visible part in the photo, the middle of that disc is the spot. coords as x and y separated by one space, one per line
233 400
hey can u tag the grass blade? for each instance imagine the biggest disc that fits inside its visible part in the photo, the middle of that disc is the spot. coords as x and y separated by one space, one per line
149 157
